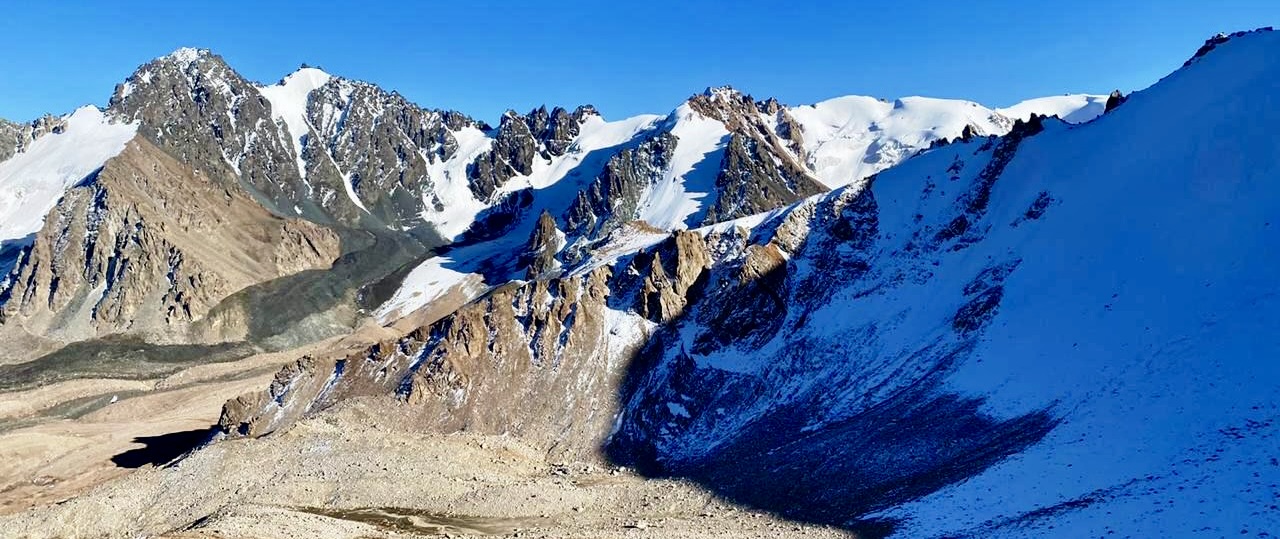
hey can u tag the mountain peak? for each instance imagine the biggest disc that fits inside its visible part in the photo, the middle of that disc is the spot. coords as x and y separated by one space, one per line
186 55
305 79
725 92
1220 38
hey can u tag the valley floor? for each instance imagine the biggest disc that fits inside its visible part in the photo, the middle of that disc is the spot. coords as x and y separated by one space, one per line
75 464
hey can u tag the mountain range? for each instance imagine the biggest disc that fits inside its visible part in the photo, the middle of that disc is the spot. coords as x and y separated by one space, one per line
915 317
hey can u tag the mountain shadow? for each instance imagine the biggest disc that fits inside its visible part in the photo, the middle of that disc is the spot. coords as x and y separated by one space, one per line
899 449
838 449
162 449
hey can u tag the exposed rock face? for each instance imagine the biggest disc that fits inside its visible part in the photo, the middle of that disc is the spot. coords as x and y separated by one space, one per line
382 144
613 198
553 336
787 126
512 153
751 181
544 244
762 167
149 246
503 352
557 129
670 286
518 141
285 382
194 107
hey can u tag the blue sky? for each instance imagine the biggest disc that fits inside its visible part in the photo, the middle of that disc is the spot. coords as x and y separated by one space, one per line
482 57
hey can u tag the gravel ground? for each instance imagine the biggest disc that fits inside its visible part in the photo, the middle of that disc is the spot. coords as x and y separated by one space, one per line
331 477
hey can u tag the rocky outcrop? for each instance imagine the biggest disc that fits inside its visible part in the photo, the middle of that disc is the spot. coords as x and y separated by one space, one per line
669 286
518 141
1114 100
381 144
488 366
360 138
762 165
557 129
15 138
545 243
753 180
485 368
201 112
148 246
787 127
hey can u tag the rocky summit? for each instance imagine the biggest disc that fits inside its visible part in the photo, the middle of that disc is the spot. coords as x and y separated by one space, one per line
322 309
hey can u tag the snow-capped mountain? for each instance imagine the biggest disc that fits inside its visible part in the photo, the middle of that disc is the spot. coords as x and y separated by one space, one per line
719 156
379 170
1063 330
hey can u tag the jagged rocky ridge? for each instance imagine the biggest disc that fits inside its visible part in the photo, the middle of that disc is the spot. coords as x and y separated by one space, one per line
987 340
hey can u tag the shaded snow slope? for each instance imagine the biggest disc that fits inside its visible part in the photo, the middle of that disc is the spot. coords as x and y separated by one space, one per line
1073 335
31 182
1143 312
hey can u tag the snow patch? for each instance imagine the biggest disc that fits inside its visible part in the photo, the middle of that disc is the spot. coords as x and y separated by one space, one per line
32 182
429 281
289 104
692 174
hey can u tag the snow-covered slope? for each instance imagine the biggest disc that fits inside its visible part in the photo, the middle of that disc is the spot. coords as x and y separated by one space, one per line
1142 314
689 179
850 138
289 105
1072 108
31 182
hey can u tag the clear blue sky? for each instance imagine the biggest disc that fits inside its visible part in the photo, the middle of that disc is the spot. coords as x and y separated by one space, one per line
482 57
